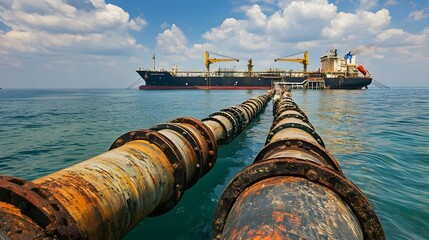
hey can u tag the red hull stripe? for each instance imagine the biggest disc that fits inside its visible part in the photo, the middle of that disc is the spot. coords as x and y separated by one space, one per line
204 87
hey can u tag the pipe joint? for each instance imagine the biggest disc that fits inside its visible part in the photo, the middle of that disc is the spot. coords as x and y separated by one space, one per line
173 155
40 206
316 173
306 128
285 145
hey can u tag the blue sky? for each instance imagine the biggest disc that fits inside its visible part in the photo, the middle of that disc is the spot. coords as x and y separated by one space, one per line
99 44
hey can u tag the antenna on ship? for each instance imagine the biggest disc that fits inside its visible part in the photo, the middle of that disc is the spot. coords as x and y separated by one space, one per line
153 58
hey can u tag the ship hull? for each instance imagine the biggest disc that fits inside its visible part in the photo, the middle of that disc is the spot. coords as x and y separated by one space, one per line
163 80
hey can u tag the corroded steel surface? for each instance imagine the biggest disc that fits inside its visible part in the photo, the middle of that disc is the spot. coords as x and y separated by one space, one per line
111 193
294 190
208 143
316 173
290 207
15 225
298 148
37 204
145 173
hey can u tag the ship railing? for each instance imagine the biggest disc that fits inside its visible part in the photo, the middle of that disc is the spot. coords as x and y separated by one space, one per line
293 85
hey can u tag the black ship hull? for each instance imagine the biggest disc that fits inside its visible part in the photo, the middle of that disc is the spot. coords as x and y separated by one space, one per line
163 80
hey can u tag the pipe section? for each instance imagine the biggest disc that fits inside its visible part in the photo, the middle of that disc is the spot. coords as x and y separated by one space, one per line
294 189
145 173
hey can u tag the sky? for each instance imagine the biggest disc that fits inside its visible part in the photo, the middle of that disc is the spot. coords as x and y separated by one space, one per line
100 44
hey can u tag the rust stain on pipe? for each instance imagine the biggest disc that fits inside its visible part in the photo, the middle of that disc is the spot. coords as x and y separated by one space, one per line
144 174
110 193
290 207
294 190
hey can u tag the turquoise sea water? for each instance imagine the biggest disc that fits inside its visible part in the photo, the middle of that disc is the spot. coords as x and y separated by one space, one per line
380 138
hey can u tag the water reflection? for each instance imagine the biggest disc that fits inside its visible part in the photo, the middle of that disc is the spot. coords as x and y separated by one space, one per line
343 111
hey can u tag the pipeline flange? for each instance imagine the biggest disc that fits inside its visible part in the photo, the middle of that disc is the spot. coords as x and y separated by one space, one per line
40 205
281 109
173 155
209 138
233 122
191 140
344 188
250 111
297 116
244 115
237 116
295 125
256 107
290 143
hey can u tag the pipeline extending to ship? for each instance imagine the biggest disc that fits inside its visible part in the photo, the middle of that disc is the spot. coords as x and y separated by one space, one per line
145 173
294 189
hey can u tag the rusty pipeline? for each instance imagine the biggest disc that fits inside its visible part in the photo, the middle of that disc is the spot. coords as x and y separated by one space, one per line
145 173
294 189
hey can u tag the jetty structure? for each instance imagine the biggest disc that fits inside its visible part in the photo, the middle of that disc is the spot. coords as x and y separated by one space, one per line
294 189
336 72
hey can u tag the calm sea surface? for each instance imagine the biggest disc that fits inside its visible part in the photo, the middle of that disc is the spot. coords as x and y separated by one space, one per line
380 137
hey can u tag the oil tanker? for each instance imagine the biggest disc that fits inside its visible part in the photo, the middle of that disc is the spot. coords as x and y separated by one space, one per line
336 72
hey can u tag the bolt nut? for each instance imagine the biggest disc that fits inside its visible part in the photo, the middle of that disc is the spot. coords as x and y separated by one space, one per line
219 224
312 175
175 166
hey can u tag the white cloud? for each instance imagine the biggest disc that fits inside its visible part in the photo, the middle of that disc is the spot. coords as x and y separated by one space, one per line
39 26
419 15
138 24
301 20
363 24
172 41
367 4
257 18
398 37
391 3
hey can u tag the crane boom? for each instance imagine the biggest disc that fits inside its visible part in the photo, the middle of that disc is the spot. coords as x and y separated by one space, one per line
304 61
208 60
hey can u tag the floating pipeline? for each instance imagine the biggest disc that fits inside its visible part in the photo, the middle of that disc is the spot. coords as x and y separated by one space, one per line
294 189
145 173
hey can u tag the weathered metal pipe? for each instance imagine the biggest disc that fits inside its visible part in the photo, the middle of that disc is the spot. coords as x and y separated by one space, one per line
144 174
294 189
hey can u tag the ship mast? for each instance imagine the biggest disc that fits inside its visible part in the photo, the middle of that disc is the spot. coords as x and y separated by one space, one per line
249 68
153 58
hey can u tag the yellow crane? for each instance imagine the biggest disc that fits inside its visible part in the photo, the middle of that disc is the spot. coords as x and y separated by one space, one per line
208 60
304 61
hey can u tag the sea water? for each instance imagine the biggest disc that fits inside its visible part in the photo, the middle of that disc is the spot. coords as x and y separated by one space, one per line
380 138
